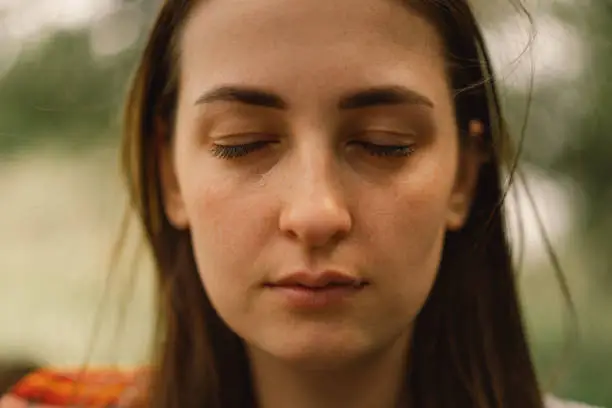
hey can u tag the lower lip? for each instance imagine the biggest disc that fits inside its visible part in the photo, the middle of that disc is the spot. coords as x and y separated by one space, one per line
315 298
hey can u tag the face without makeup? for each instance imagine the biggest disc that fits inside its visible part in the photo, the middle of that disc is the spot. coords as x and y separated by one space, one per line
314 136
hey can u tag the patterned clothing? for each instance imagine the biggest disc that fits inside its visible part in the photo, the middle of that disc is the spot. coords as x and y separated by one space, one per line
64 388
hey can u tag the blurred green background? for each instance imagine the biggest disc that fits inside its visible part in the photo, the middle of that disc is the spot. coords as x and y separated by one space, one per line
64 68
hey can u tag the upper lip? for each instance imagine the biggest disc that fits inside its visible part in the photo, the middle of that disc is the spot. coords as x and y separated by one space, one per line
318 279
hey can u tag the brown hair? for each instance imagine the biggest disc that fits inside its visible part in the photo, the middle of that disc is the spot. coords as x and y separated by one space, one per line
469 347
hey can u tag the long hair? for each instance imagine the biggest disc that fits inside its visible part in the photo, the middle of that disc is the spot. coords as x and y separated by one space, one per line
469 345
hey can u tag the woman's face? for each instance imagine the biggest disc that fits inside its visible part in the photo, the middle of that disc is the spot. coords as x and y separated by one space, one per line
316 165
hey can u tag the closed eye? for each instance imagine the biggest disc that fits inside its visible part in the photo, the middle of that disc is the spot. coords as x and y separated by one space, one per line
384 150
238 150
234 151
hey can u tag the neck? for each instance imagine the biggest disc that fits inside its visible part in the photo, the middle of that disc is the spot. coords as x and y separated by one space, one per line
377 381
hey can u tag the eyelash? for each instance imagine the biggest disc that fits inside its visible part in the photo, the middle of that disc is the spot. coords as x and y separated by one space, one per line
229 152
235 151
378 150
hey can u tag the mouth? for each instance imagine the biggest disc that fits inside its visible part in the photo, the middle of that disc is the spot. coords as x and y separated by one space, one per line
307 290
320 289
319 281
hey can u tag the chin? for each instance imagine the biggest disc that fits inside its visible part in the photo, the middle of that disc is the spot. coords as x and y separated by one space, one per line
330 359
316 351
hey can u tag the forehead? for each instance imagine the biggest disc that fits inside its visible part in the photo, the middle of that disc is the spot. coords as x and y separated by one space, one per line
310 45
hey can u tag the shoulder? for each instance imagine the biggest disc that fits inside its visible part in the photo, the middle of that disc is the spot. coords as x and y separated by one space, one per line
553 402
50 388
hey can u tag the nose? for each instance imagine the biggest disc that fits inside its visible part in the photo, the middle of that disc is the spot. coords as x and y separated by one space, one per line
315 212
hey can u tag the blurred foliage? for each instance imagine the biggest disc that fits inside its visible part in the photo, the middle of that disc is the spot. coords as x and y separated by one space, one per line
59 92
585 155
589 158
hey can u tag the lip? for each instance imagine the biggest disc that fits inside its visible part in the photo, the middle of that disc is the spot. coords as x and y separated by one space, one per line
308 290
318 280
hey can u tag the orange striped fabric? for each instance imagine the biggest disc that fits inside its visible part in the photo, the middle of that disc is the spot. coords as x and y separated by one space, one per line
63 388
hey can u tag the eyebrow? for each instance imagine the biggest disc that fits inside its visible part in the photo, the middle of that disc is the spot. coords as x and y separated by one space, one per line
365 98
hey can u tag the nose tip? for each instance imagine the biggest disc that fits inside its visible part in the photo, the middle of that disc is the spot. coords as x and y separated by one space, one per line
316 223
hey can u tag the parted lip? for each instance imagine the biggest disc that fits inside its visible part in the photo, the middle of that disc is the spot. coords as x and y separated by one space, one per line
311 279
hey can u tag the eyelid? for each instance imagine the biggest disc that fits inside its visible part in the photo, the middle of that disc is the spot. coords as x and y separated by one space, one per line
240 126
243 138
389 136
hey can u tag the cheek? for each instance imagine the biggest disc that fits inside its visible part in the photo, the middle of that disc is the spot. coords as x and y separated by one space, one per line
406 229
407 250
229 224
